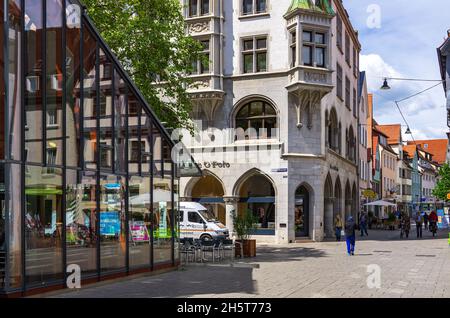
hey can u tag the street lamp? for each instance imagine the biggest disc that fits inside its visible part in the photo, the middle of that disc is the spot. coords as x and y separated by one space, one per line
385 86
408 132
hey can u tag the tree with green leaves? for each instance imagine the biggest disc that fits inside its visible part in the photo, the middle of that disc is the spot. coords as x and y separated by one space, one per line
443 185
149 39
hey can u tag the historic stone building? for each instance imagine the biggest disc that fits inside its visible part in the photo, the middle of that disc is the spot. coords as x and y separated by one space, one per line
278 105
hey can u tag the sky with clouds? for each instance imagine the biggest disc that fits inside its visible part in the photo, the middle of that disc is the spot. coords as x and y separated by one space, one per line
402 43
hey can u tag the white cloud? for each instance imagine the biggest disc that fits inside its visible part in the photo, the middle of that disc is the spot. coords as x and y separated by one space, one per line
376 69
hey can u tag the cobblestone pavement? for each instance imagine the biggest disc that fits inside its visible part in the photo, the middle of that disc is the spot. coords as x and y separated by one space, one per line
409 268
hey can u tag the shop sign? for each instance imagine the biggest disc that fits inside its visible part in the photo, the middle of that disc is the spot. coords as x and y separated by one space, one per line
139 232
109 223
214 165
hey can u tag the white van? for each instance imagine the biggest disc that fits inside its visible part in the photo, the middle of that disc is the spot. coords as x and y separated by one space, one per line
198 223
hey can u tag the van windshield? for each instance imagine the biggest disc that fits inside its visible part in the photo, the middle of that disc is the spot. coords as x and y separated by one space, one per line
208 216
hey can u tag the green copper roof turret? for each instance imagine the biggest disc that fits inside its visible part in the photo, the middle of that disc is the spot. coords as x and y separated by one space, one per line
323 6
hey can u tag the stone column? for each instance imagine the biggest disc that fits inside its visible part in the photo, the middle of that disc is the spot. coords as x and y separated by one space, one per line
231 206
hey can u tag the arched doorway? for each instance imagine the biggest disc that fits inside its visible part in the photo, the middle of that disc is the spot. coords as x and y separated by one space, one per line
355 207
328 207
302 211
257 194
208 191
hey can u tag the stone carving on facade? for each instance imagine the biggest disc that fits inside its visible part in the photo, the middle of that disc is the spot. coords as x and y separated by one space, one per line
315 77
198 27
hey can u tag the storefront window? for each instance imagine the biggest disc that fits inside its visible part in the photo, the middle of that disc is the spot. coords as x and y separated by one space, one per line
14 207
162 227
73 85
139 221
258 196
157 153
112 223
146 151
176 198
106 114
89 99
134 135
54 82
34 79
120 126
43 222
81 220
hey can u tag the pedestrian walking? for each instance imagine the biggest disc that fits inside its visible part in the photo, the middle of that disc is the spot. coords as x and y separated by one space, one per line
419 221
425 220
338 227
350 235
363 224
405 225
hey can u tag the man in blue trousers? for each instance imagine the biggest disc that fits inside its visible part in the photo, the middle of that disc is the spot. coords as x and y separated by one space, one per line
350 235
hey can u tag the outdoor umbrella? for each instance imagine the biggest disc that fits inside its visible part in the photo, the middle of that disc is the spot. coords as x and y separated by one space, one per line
380 203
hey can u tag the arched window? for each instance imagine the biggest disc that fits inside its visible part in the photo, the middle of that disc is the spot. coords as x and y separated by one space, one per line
258 119
351 144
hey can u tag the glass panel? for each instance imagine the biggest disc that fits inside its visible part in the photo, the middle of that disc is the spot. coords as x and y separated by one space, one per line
307 36
248 63
307 55
106 119
81 220
242 124
320 56
90 100
243 113
247 6
134 144
15 86
256 109
140 221
205 7
176 191
2 100
73 85
261 43
112 222
167 157
43 220
262 62
205 64
54 82
260 6
162 207
120 104
319 38
14 207
33 81
193 8
248 45
269 110
157 152
146 128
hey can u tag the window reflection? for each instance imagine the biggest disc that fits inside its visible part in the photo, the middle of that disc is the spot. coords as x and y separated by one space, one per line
43 225
140 221
81 216
106 119
120 104
112 222
162 227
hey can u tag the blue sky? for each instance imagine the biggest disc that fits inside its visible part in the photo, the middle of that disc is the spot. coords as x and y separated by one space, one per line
404 46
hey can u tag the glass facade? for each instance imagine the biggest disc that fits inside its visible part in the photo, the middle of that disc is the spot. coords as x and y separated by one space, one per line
86 171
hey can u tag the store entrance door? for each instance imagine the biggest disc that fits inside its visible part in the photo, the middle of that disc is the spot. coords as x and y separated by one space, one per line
302 212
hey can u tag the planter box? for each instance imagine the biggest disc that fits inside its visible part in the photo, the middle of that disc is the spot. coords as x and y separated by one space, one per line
249 248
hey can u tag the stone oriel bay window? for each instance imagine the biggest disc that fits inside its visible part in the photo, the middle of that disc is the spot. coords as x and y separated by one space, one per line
314 48
253 6
198 8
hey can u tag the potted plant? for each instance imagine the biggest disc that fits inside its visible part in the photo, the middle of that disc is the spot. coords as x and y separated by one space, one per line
244 225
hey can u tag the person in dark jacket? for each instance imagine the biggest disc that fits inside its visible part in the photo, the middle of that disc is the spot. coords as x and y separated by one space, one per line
350 235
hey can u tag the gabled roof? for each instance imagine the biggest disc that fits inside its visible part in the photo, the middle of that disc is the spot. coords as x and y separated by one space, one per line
361 80
393 132
442 52
437 147
410 149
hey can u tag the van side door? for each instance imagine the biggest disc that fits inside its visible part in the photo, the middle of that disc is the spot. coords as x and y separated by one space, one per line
195 223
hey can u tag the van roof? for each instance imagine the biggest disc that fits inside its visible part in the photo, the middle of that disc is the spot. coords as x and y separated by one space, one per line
192 206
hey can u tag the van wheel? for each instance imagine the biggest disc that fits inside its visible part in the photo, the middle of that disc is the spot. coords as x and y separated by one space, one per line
206 237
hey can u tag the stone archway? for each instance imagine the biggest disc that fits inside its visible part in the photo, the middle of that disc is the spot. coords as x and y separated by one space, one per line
355 207
337 207
304 203
348 201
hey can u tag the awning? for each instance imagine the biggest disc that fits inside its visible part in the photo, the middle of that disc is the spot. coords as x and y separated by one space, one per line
43 192
380 203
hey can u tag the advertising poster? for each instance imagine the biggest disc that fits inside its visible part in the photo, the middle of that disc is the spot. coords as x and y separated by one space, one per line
442 220
163 219
109 223
139 232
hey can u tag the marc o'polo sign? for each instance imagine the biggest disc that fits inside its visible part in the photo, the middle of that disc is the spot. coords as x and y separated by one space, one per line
214 165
